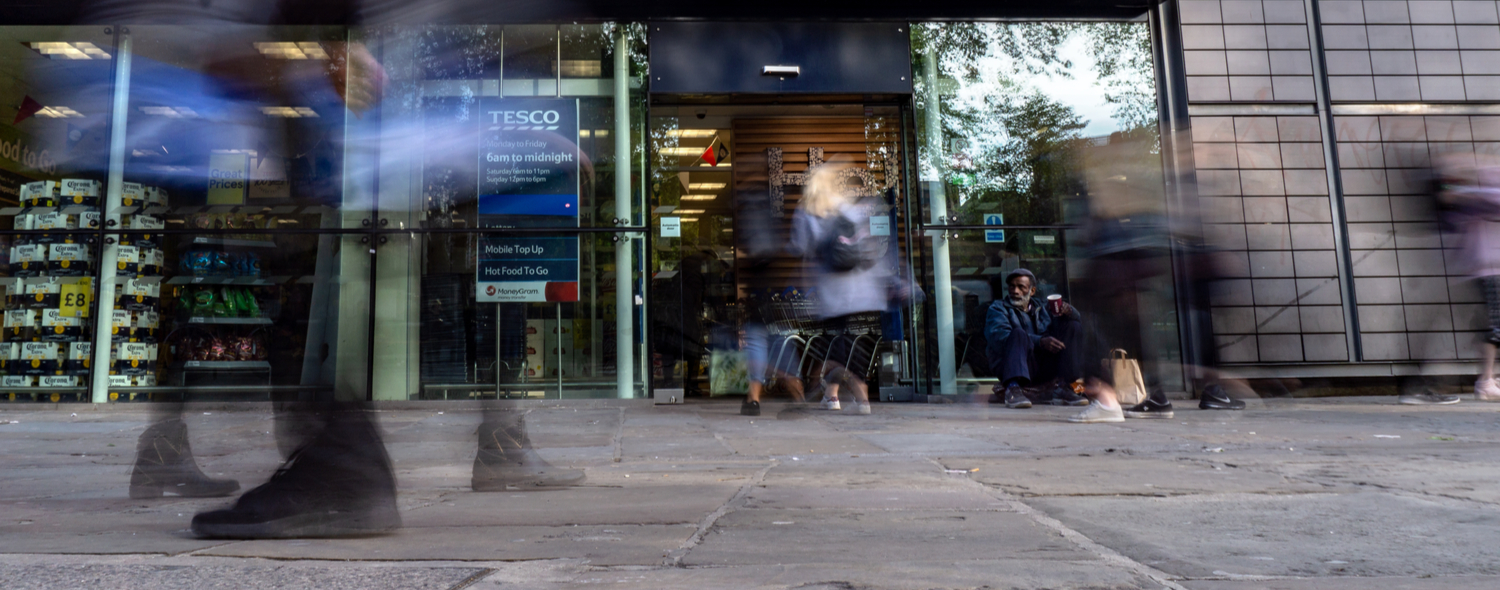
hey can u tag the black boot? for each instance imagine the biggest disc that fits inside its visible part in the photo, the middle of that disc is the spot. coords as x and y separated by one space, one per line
338 484
506 458
164 465
1215 398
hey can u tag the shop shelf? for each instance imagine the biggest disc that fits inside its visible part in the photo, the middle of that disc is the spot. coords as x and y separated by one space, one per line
241 281
232 242
225 365
232 321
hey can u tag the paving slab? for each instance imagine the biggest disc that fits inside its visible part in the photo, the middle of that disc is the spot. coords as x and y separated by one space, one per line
1426 583
663 504
883 574
761 536
599 545
1109 474
172 577
1356 534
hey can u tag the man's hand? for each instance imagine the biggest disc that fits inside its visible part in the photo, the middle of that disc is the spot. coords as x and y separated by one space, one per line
1052 345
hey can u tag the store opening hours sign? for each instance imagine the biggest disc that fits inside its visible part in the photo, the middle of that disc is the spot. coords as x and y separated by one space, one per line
529 164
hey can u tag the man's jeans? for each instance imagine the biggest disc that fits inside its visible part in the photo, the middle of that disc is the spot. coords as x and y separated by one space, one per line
1017 358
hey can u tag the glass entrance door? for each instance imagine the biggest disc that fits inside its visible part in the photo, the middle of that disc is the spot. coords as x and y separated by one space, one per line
734 299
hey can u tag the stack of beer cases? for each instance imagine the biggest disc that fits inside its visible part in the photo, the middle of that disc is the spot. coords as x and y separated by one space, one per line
46 325
136 315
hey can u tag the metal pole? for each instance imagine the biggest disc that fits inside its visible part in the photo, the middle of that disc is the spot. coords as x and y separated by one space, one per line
104 316
624 291
937 201
1335 184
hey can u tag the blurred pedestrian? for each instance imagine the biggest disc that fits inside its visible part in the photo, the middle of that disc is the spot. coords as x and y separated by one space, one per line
831 230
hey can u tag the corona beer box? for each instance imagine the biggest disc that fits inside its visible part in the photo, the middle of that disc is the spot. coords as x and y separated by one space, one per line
146 323
10 353
15 293
78 191
132 194
28 261
120 381
39 358
147 222
80 355
134 358
127 260
60 327
17 381
19 325
25 220
152 262
42 294
121 328
58 381
156 196
138 295
39 194
69 260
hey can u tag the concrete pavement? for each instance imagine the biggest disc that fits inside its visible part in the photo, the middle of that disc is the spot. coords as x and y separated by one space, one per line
1295 494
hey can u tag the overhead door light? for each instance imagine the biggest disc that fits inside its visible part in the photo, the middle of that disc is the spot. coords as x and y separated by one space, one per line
66 50
58 113
174 112
289 112
289 50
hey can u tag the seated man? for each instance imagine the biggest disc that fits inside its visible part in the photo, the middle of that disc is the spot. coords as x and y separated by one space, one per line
1026 344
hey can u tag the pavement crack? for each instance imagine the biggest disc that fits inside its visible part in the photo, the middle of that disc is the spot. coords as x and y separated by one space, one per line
619 437
469 581
674 558
1106 554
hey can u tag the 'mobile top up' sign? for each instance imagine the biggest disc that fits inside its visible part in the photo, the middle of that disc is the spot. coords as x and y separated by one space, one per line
528 178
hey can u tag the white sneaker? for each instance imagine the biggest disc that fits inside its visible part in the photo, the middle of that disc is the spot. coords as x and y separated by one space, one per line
1097 413
831 403
1487 390
862 409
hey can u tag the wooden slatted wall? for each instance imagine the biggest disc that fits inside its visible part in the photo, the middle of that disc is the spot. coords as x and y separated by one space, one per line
851 140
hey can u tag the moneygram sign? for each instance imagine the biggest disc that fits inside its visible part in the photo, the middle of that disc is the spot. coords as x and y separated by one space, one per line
528 178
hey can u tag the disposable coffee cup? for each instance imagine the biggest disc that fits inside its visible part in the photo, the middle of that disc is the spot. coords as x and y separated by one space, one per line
1055 304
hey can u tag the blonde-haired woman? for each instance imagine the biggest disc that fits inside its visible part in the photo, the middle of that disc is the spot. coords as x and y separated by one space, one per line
831 229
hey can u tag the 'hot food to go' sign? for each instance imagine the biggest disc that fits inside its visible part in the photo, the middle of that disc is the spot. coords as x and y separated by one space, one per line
528 178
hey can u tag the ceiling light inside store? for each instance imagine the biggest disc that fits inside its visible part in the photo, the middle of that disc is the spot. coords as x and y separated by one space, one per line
689 211
684 151
288 112
58 113
699 197
65 50
688 219
174 112
706 186
693 132
289 50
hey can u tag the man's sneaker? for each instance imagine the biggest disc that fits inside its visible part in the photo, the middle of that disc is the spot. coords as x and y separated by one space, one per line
750 408
1215 398
831 403
862 409
1427 398
1063 395
1016 399
1149 409
1096 413
1487 390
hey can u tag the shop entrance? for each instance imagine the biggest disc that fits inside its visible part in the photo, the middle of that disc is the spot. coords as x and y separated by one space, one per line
726 181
